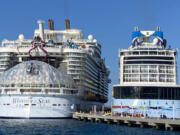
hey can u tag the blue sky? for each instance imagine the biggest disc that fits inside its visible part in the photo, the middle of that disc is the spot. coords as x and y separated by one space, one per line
110 21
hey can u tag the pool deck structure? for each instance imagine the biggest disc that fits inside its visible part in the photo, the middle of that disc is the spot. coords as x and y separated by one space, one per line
167 124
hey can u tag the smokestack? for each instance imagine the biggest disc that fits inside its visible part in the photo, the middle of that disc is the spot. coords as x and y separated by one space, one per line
136 28
51 24
158 28
41 29
67 24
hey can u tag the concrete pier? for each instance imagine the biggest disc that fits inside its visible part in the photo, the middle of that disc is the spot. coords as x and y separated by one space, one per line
167 124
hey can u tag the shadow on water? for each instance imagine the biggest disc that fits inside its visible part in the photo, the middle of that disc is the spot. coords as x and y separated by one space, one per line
71 127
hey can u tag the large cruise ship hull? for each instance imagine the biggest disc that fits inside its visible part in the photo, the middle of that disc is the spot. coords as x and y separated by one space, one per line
40 106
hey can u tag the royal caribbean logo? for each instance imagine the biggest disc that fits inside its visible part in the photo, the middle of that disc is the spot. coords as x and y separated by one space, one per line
32 69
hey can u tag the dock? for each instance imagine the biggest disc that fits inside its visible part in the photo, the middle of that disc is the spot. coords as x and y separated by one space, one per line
167 124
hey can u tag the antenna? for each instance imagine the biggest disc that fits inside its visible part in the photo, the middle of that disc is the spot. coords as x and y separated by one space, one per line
158 28
136 28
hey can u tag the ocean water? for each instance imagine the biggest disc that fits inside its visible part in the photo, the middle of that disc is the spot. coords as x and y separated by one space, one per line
71 127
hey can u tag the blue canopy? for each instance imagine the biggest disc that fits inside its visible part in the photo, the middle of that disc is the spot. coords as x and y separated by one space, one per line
158 34
136 34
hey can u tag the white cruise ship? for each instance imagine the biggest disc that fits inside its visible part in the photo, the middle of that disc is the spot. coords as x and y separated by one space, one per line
148 78
52 75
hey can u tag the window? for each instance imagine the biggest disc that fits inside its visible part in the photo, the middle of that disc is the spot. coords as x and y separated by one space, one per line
67 91
170 93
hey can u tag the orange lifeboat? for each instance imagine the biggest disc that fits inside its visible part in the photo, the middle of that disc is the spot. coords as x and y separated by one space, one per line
83 45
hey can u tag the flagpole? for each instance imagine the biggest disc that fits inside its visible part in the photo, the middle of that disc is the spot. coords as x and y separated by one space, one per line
173 109
111 108
121 108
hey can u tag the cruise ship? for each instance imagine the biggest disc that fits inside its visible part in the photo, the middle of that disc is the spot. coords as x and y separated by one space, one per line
148 78
52 75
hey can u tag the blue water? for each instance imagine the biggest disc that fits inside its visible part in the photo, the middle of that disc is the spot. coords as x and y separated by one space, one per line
71 127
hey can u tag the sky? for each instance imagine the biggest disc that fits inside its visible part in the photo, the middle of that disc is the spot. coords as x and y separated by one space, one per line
109 21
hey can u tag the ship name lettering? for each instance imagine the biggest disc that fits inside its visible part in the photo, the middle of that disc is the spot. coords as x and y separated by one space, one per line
43 101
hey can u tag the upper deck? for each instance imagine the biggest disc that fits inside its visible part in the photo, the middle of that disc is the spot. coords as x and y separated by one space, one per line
148 60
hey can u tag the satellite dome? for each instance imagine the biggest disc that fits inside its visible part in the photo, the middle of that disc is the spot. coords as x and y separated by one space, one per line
21 37
90 37
155 40
94 40
35 73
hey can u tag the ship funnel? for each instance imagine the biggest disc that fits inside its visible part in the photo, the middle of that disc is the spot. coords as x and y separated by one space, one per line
51 24
158 28
41 29
67 24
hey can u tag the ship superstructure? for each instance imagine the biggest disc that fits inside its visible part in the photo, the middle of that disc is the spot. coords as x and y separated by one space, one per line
148 77
148 62
67 51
